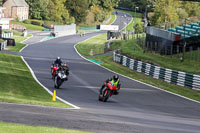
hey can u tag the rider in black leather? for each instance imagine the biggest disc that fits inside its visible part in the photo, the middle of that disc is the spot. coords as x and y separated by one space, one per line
58 61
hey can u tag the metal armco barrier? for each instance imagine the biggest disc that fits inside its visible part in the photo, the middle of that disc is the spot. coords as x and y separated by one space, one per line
171 76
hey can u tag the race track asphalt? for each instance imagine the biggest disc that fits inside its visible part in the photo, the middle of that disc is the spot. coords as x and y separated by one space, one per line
138 108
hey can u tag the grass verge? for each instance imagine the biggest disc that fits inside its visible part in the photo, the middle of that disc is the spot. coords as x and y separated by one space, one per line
137 15
21 128
19 45
113 17
92 28
107 61
92 46
135 20
29 26
18 85
171 62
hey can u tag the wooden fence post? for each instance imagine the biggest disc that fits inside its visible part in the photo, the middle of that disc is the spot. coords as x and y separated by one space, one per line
198 54
171 50
190 53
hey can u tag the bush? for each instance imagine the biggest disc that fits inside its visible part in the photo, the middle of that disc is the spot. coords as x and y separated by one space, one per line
1 40
28 21
37 22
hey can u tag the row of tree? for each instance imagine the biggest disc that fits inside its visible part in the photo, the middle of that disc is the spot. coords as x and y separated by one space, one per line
70 11
164 11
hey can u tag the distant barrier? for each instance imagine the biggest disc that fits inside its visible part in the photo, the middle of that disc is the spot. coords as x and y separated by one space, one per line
3 45
7 35
17 27
94 28
64 30
171 76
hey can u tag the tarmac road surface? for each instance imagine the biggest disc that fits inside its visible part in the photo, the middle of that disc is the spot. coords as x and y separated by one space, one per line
138 108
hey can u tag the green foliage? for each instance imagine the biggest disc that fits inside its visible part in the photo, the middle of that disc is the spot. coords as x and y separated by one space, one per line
28 21
131 4
170 10
99 14
138 28
182 13
58 12
165 11
49 10
108 5
37 22
127 4
192 8
36 8
78 9
29 26
70 11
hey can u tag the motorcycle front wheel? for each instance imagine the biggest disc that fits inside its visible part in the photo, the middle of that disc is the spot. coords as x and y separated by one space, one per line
58 82
106 94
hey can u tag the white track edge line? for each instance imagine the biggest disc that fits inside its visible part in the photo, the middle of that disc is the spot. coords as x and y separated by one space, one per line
75 107
24 43
134 79
137 80
62 100
36 105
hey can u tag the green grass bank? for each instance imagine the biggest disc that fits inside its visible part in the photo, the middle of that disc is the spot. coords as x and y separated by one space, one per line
18 85
21 128
125 46
29 26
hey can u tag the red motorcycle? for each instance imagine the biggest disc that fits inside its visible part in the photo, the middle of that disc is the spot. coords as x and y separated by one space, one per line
59 74
54 68
107 91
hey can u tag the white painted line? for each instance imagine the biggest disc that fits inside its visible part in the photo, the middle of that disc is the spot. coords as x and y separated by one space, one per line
24 43
137 80
134 79
75 107
34 105
64 101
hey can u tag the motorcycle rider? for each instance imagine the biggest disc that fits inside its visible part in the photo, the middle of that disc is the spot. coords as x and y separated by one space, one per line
61 66
115 81
58 61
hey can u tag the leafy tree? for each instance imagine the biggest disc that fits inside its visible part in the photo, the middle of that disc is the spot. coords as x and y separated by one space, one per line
78 9
33 9
138 28
38 9
192 8
182 13
58 11
127 4
92 3
44 12
108 4
164 11
131 4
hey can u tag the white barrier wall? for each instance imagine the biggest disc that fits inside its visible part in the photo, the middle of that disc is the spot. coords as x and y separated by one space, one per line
64 30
